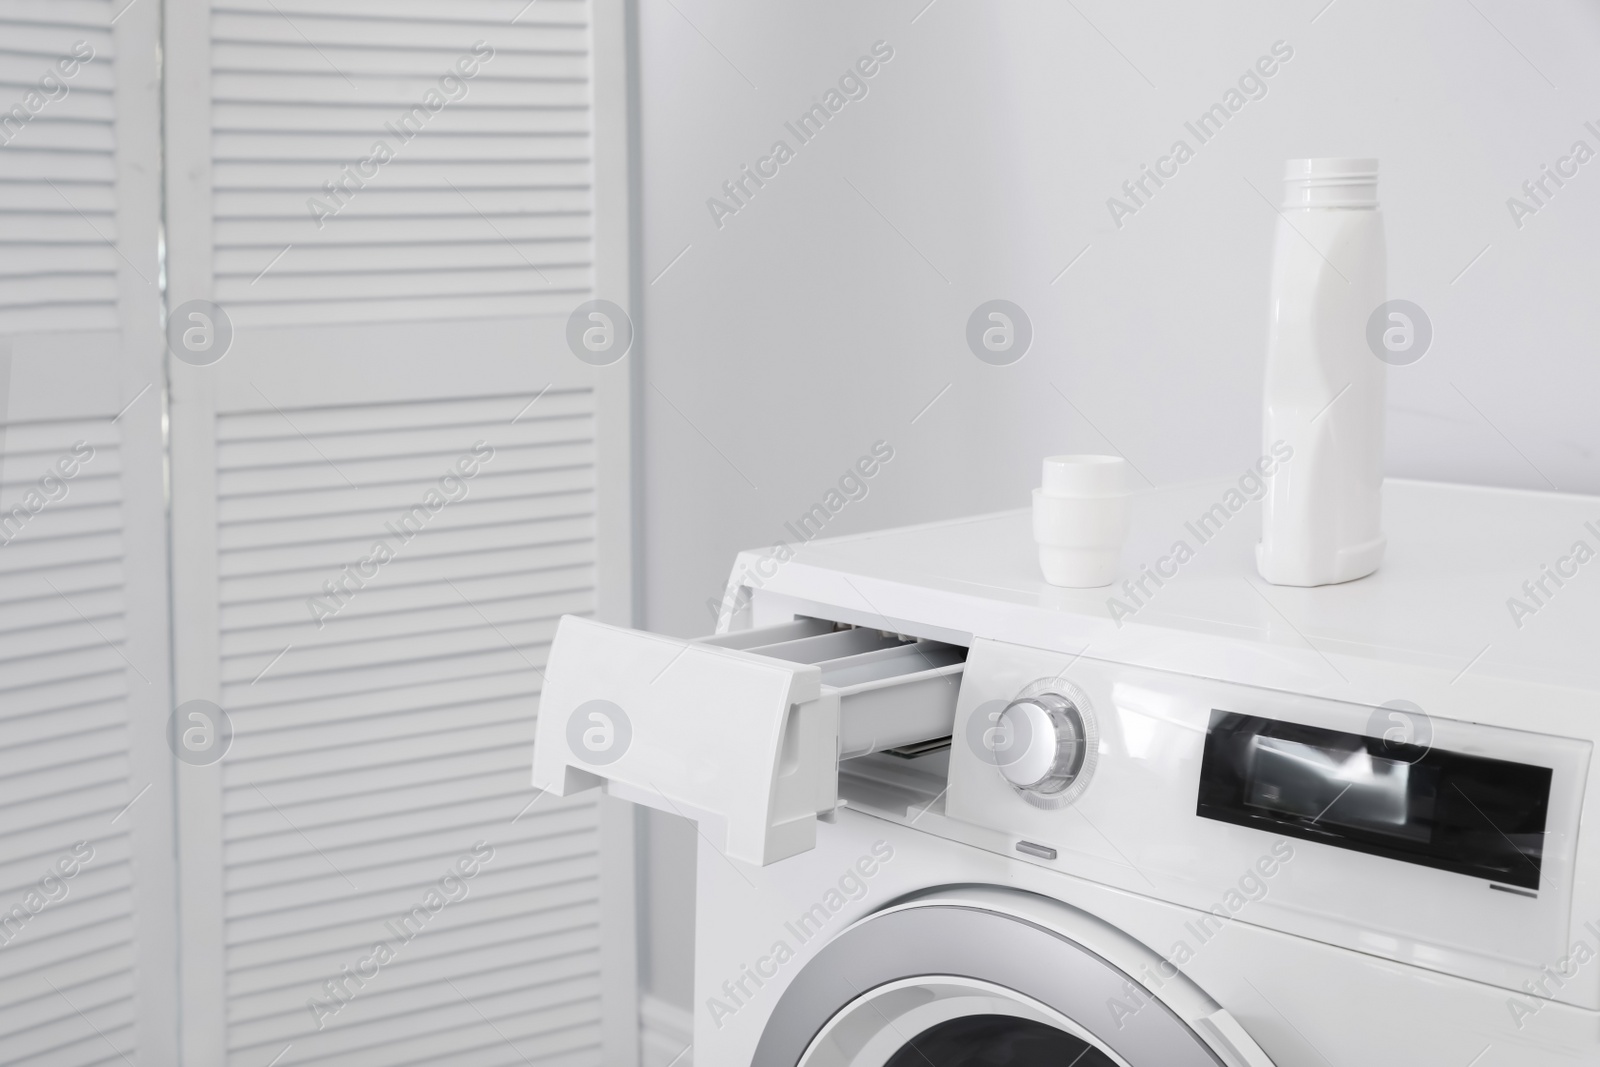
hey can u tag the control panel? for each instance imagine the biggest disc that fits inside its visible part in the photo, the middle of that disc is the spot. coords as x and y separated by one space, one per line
1453 848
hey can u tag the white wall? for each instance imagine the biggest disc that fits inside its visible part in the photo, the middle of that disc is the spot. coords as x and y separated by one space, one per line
812 323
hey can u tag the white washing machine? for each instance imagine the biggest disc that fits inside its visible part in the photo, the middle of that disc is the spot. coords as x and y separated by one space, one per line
951 815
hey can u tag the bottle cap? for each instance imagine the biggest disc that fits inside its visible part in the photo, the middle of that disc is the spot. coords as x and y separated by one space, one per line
1084 475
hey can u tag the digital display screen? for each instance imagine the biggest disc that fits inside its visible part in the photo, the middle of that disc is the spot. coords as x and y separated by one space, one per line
1468 814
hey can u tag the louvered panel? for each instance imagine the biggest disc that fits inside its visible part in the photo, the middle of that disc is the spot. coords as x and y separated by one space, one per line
437 777
95 569
563 447
56 798
367 843
557 958
420 631
94 990
430 255
64 762
58 269
488 565
94 588
253 618
529 521
554 284
373 777
356 420
494 501
550 911
565 1034
248 819
451 538
249 54
328 921
374 750
370 238
481 204
408 655
26 732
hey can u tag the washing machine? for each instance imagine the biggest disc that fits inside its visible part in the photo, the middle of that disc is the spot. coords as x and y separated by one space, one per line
951 815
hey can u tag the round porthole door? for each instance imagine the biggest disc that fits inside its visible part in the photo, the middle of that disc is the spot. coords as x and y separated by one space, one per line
980 977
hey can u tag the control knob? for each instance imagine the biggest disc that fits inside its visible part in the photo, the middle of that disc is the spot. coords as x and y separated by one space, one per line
1044 747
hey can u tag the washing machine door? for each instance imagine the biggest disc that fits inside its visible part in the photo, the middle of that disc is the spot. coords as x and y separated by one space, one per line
977 976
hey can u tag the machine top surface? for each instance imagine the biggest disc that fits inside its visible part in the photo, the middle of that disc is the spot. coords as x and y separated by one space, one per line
1493 582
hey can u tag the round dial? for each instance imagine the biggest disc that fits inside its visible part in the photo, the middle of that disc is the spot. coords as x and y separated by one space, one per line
1046 744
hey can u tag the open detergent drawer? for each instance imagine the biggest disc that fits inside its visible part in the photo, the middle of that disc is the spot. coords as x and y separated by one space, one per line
742 732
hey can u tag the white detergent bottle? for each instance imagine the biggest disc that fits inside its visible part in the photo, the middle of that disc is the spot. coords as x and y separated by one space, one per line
1321 518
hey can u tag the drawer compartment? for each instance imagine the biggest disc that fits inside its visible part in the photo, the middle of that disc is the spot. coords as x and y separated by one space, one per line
899 709
892 690
742 731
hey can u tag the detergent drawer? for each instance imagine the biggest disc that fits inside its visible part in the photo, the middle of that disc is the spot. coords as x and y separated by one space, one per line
743 731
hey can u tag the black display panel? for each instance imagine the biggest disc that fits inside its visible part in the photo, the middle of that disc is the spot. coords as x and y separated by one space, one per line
1467 814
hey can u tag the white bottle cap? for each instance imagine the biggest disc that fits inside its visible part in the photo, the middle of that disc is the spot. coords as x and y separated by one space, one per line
1085 475
1332 182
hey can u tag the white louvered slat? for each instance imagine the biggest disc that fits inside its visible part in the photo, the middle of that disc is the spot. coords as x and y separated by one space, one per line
65 773
57 167
374 750
485 206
